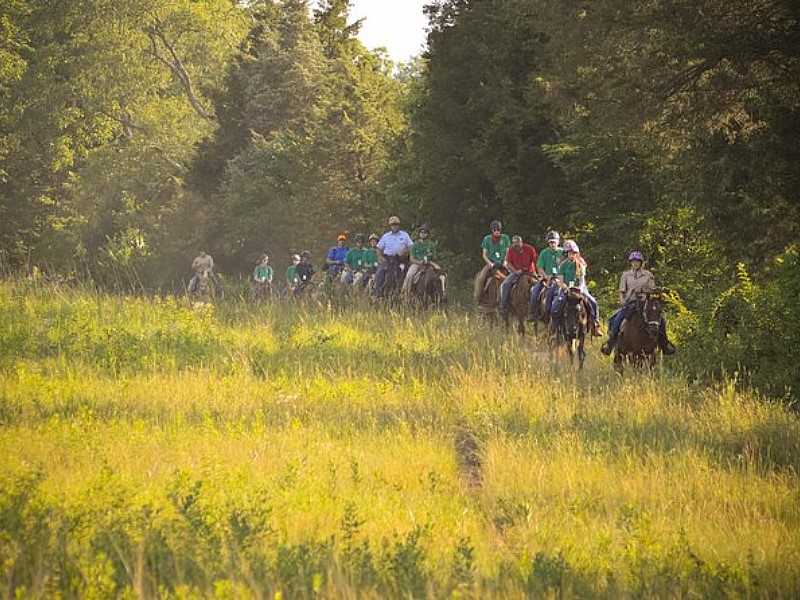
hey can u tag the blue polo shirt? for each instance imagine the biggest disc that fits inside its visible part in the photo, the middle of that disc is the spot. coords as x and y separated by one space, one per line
393 243
337 253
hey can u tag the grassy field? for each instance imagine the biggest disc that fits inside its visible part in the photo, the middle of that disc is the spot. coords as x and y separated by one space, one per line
149 448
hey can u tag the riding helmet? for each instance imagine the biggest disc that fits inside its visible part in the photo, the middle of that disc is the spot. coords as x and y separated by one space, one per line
571 246
636 255
552 235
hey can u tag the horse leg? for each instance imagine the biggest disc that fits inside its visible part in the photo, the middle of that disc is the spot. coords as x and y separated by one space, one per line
618 366
581 350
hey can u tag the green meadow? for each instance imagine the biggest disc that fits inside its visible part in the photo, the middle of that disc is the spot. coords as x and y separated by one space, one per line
151 448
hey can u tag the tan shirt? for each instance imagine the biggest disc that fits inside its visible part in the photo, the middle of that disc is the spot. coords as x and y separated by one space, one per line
636 282
202 263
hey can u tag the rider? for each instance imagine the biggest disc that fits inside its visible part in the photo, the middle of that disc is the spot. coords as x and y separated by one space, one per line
202 262
573 272
292 280
305 271
493 252
355 261
546 266
634 284
423 252
520 259
262 274
334 263
394 245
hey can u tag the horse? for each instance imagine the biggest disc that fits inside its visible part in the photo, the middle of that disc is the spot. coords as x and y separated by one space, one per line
638 336
518 302
206 287
363 283
393 282
427 286
490 299
542 314
568 329
260 290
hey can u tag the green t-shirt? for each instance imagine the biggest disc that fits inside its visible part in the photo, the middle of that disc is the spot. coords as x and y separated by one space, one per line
496 253
370 258
549 260
356 258
573 273
263 273
291 275
423 250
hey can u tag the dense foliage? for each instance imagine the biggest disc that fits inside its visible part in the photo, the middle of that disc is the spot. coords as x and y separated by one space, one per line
133 132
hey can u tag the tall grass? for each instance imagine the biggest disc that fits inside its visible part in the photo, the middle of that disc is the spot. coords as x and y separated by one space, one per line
151 447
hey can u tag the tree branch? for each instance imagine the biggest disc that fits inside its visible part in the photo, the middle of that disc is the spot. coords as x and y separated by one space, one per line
176 66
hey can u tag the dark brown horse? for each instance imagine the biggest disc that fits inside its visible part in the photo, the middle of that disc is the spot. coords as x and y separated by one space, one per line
567 330
638 336
542 314
428 288
490 300
518 303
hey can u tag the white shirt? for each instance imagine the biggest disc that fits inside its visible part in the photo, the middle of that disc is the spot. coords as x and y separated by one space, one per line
393 243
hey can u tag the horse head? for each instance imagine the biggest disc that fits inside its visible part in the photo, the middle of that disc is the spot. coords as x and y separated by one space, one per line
651 314
575 315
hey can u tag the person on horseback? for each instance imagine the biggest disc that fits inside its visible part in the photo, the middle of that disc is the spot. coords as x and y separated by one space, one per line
334 263
262 275
423 252
302 271
393 247
292 280
634 285
520 259
355 262
546 266
202 262
572 272
493 251
371 254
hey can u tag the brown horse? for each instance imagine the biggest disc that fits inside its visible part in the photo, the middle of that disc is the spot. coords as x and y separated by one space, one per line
490 300
542 314
638 336
428 288
518 303
567 330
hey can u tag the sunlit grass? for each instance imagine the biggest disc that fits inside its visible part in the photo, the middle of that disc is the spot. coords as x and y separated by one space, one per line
292 447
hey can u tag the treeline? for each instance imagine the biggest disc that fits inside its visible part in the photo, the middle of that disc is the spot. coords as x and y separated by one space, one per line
132 132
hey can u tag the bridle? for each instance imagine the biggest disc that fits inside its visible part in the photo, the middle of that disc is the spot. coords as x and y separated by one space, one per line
652 322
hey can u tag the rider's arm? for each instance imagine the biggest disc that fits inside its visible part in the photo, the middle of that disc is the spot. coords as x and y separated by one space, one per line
407 250
485 254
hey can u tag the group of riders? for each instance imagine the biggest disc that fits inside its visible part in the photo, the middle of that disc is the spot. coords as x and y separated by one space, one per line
393 263
383 265
556 269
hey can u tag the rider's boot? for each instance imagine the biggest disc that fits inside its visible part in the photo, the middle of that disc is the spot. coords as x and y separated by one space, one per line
597 331
609 344
533 314
667 347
